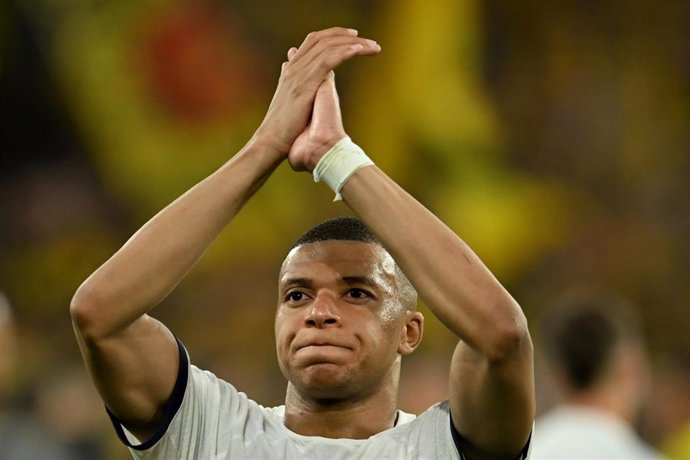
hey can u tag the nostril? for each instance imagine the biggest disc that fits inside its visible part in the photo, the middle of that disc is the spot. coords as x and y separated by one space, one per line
330 321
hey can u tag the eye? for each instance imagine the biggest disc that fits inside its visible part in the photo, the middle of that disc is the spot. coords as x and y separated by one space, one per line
295 296
358 293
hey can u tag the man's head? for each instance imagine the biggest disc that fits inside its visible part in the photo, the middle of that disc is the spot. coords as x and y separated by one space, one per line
593 343
346 313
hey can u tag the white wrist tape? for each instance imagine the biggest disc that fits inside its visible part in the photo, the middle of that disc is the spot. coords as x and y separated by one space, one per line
339 164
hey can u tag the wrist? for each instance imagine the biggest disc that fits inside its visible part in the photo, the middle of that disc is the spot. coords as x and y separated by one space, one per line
266 145
320 149
339 163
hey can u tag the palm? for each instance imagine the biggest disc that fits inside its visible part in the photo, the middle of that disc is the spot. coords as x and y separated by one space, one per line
324 129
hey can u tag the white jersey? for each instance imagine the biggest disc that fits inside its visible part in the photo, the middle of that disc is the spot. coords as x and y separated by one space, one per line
580 433
207 418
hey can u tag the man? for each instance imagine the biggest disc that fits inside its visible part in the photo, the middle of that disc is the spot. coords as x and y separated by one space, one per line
22 435
345 313
595 353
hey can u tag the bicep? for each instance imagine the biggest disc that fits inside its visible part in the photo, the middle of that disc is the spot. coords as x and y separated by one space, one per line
134 371
493 404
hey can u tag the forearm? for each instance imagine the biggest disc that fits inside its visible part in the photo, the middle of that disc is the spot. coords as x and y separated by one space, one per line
491 375
158 256
449 276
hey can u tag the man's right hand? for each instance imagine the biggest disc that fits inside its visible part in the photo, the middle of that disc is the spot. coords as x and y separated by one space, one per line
300 78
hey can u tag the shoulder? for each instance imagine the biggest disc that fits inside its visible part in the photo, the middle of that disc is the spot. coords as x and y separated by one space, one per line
436 413
429 433
215 399
201 406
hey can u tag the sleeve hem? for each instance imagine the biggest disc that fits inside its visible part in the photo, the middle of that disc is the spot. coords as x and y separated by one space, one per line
458 441
172 406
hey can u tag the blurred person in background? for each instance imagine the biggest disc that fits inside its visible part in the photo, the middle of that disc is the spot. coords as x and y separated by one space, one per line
346 312
22 435
8 346
596 359
68 406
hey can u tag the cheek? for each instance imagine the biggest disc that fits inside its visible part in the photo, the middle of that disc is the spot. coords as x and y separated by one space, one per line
389 308
284 331
382 337
390 315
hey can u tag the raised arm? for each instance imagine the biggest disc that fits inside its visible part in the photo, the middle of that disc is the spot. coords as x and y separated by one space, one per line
133 358
491 376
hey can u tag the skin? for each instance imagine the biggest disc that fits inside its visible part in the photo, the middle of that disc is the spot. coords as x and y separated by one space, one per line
133 358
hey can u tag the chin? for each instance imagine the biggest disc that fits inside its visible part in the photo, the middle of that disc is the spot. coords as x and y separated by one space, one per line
324 381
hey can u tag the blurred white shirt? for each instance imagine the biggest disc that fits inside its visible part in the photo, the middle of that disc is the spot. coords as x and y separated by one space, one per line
576 432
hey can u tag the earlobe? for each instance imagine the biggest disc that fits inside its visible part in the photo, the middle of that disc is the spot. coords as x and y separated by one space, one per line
412 332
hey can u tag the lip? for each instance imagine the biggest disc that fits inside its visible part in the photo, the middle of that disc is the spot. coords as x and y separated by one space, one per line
321 343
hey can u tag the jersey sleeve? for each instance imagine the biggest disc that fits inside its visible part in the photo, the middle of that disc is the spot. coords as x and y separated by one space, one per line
192 420
171 409
459 441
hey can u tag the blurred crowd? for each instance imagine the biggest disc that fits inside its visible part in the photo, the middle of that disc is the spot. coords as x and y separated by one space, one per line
552 136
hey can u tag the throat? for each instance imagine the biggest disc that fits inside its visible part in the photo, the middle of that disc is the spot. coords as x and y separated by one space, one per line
340 419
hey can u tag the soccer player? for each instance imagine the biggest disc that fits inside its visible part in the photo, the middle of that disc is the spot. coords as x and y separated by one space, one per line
345 316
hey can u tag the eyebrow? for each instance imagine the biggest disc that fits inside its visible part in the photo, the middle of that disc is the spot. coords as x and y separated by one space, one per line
306 282
359 280
350 280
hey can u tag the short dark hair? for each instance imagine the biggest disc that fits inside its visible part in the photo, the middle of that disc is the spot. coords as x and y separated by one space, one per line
342 228
582 331
347 228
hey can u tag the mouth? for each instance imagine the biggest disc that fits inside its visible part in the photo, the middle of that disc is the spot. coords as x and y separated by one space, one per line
321 353
321 345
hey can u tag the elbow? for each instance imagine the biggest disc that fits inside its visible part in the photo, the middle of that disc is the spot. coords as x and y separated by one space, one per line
84 311
509 339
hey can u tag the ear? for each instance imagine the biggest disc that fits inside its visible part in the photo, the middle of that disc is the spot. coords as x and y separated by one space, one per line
411 334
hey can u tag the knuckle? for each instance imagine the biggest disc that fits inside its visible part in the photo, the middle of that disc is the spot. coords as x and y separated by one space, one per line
296 92
327 63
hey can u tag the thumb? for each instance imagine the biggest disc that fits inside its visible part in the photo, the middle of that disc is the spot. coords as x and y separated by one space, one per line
326 121
327 96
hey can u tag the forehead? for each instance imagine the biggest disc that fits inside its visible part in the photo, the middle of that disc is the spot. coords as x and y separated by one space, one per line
347 258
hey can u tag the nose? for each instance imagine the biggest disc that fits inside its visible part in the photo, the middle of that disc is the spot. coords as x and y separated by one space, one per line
323 313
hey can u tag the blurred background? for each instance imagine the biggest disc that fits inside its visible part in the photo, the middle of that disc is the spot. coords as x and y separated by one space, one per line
552 136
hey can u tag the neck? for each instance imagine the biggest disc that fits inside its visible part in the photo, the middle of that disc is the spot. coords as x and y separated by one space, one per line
606 398
353 418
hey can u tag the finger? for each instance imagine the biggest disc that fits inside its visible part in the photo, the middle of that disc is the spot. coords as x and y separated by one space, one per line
327 93
291 53
315 37
331 58
330 42
332 52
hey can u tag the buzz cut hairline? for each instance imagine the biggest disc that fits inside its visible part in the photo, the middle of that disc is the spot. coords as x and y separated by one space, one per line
348 228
